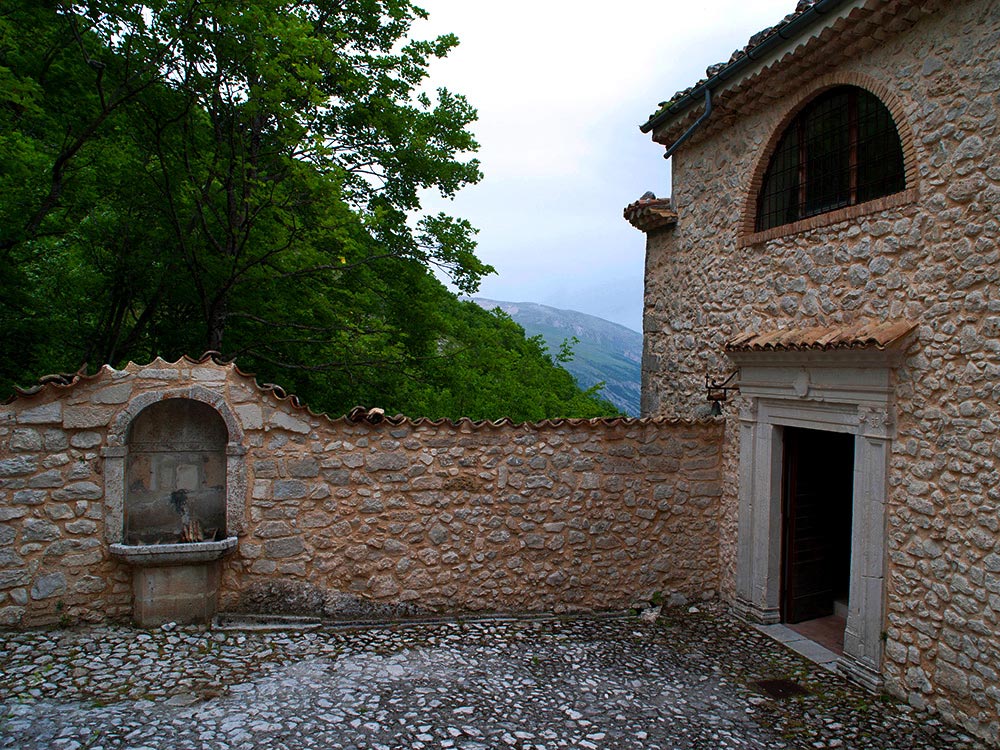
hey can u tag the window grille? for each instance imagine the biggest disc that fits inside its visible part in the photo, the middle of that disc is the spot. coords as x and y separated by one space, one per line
842 149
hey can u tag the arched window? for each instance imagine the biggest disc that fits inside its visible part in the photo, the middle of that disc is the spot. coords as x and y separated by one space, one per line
841 149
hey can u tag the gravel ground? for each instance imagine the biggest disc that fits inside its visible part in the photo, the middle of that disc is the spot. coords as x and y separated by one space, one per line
685 681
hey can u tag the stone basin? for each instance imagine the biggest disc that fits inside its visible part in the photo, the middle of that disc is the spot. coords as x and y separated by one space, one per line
161 555
174 582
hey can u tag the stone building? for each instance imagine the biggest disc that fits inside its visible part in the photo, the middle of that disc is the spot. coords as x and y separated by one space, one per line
832 243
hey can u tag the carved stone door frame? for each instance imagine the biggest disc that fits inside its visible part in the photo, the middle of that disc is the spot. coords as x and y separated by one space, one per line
847 391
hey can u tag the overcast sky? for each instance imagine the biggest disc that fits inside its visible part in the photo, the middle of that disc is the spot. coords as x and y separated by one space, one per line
561 88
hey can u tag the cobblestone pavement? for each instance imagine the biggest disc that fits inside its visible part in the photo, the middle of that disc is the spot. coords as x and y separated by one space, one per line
685 681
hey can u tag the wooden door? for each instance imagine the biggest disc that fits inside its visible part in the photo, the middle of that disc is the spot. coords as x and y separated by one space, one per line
816 520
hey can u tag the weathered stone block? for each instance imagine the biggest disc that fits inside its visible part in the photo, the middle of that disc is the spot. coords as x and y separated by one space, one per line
11 616
44 414
55 440
264 567
533 541
90 585
314 520
538 481
77 417
555 543
115 394
261 489
383 586
18 466
52 478
47 586
305 468
338 478
292 569
251 416
55 459
290 489
952 678
394 547
83 559
30 497
59 511
281 420
265 469
79 491
438 534
85 440
558 578
70 545
154 373
26 439
273 529
386 461
38 530
80 470
12 578
286 547
208 373
353 460
81 526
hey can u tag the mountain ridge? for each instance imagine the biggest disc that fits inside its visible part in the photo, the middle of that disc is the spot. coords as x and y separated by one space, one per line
607 352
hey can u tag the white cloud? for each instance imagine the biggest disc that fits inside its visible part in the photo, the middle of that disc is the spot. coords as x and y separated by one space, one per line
561 88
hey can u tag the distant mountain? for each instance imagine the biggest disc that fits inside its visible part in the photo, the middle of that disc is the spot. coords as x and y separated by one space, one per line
607 351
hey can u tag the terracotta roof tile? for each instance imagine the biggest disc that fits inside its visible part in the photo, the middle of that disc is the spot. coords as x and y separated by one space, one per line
647 214
755 41
862 335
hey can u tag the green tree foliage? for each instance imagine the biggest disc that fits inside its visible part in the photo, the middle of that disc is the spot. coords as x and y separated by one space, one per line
244 176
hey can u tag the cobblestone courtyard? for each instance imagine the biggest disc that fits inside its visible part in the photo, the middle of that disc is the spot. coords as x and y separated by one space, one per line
686 681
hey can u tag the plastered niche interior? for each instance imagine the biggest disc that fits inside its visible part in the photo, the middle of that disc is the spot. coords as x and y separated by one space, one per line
175 474
184 446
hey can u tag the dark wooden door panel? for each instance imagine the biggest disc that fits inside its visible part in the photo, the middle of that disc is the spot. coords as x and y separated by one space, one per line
817 497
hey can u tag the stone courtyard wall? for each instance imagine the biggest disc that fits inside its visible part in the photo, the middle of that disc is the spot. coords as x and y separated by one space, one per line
347 518
935 260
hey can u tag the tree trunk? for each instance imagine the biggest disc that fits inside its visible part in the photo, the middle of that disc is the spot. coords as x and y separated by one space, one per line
217 325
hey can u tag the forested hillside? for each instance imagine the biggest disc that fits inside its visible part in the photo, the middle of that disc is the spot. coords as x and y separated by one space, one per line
245 177
603 352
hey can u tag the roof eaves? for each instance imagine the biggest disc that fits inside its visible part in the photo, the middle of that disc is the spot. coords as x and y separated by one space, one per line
807 14
650 214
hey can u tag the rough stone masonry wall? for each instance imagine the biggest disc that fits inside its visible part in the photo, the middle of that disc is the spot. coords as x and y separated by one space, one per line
54 563
934 261
458 518
345 518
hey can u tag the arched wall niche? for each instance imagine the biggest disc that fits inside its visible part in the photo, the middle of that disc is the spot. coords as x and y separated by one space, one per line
228 451
175 474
